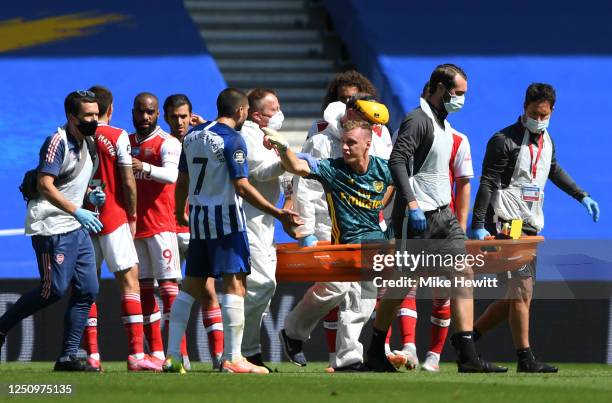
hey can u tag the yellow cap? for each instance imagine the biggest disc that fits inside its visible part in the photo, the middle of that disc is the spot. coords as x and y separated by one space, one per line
373 111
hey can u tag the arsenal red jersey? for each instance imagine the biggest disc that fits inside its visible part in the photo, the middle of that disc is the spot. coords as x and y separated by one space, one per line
155 199
113 151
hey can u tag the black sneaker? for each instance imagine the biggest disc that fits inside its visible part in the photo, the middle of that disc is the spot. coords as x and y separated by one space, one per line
74 364
356 367
377 361
479 366
256 360
292 349
534 366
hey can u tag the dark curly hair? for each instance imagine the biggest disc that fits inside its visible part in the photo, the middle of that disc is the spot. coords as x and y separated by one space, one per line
540 92
349 78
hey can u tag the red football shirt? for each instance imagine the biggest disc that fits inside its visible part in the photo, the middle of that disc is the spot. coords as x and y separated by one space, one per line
155 199
113 151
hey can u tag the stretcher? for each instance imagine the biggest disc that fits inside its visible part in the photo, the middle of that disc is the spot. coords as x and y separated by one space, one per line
353 262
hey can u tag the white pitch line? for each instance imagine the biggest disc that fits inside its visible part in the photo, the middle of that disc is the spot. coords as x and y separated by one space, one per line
11 232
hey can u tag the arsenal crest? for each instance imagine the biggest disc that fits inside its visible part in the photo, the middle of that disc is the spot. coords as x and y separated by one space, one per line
59 258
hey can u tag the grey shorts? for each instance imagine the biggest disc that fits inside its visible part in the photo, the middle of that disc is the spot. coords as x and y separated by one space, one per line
443 236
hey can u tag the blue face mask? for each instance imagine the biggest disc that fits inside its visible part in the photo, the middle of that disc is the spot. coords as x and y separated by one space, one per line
455 103
535 126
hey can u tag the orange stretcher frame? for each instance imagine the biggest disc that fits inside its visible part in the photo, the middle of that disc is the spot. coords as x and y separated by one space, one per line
326 262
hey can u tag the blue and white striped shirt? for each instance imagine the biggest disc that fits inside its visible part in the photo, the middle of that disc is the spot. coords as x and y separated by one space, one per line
214 155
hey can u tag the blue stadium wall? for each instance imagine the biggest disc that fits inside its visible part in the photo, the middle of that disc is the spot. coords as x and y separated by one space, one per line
503 47
48 49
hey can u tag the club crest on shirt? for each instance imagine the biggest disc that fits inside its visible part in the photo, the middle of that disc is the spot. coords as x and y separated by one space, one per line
378 186
148 152
59 258
239 156
135 151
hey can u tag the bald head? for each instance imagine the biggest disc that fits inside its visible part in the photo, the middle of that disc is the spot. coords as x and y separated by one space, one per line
145 113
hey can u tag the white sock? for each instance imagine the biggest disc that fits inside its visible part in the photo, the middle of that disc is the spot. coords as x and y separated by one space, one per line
436 355
95 356
179 317
409 347
232 313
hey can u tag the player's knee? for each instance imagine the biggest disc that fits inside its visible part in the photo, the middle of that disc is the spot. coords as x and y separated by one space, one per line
521 290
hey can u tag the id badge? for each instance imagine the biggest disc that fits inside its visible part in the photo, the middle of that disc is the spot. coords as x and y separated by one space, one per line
531 193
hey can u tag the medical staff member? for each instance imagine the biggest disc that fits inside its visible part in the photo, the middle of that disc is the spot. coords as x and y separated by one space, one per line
420 167
265 169
60 227
519 161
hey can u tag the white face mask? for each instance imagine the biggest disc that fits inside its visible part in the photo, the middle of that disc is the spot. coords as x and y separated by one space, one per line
535 126
276 121
455 104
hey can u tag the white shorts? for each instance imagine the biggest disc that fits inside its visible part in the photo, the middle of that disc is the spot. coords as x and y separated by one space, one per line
116 248
159 257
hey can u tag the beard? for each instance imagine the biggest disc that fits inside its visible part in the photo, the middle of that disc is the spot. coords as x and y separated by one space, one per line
144 131
239 125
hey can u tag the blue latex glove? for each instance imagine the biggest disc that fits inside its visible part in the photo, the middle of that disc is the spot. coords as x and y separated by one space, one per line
88 220
478 233
416 220
309 240
592 207
313 163
97 197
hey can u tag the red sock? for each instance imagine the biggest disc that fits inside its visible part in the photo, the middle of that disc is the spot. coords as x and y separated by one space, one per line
90 334
131 315
330 324
168 290
213 324
408 318
440 321
151 317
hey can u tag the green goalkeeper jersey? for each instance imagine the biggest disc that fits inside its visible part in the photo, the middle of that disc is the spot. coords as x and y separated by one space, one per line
355 201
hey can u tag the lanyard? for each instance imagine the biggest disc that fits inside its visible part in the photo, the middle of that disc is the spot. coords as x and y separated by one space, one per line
534 164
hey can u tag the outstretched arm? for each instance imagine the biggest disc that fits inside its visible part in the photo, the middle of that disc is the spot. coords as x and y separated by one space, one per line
290 161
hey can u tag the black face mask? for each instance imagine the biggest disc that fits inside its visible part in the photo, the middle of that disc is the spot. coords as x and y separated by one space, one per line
87 128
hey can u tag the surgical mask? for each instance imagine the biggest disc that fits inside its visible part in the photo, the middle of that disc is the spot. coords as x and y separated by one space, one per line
276 121
535 126
455 104
87 128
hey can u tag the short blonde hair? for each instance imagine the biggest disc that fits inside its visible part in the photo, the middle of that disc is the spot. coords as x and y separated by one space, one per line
354 124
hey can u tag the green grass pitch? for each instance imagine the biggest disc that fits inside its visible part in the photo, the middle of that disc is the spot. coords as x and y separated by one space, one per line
574 383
